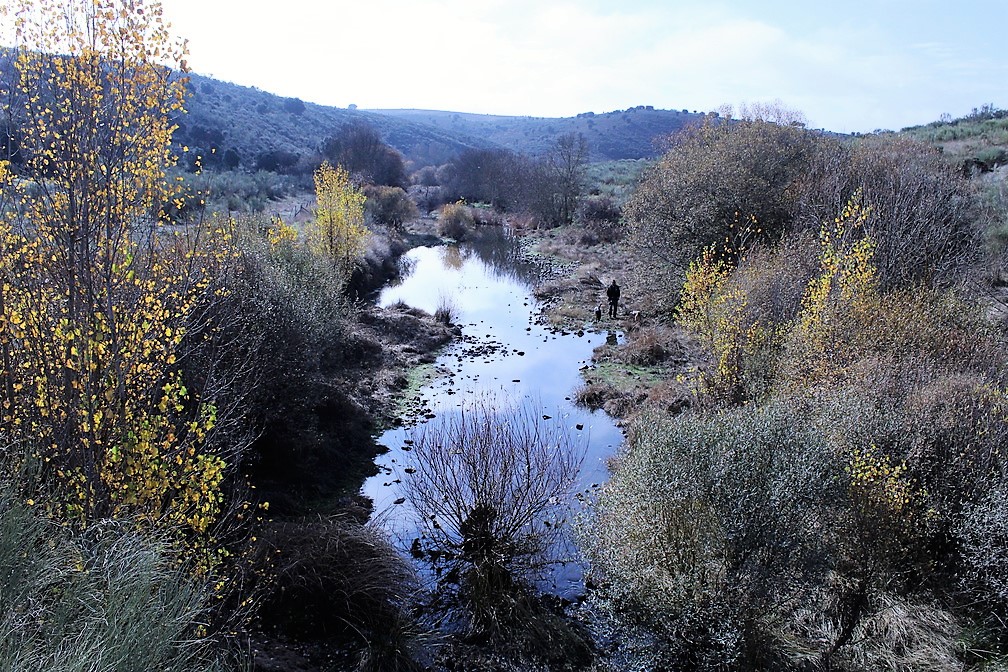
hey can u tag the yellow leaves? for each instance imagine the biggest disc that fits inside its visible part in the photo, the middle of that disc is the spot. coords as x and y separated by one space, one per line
338 232
280 234
881 490
714 310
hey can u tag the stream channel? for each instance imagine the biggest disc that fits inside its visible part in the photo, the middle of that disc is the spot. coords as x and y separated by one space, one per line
504 353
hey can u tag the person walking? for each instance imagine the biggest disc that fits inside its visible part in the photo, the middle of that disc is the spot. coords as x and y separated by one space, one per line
613 293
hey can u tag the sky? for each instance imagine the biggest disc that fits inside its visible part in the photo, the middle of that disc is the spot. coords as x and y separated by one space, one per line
850 65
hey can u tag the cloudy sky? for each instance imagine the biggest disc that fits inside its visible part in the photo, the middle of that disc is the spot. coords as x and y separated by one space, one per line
855 65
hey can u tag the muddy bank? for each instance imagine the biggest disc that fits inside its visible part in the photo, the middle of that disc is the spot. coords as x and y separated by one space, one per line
315 558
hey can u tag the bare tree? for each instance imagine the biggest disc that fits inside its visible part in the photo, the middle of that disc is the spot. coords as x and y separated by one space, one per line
491 492
567 161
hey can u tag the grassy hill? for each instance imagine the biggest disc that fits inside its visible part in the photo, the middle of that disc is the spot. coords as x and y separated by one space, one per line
980 138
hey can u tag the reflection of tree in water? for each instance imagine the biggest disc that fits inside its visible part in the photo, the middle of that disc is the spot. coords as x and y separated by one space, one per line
453 257
404 268
501 251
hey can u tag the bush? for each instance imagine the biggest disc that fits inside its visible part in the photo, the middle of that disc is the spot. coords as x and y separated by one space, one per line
486 216
731 504
600 220
333 579
715 176
923 212
890 399
992 157
447 311
489 488
389 206
294 302
602 209
747 182
454 221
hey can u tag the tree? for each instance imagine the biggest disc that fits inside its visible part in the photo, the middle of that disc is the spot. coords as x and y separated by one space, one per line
360 149
567 162
338 232
491 176
96 301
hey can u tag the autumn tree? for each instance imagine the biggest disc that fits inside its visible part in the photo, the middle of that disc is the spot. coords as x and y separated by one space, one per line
338 232
97 294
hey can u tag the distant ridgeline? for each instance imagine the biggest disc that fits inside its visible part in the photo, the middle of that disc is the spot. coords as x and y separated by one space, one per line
248 122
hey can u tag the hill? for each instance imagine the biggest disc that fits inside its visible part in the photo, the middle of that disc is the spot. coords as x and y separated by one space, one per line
252 123
240 126
634 133
979 139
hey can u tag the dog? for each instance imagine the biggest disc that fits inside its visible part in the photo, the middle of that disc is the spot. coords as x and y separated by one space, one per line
598 312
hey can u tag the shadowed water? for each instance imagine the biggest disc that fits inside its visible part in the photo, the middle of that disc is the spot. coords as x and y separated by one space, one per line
504 354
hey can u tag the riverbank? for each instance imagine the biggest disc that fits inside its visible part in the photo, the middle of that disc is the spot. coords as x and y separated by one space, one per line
389 347
648 364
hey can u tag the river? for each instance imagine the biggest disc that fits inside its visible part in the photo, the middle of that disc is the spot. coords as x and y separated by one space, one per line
504 353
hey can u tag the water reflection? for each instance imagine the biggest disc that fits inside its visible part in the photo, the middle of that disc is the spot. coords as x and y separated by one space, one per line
504 351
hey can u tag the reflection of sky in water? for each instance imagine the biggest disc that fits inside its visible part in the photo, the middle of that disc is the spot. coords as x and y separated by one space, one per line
495 309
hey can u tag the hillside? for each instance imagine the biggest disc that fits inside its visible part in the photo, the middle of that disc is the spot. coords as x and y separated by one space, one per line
979 139
623 134
240 126
250 122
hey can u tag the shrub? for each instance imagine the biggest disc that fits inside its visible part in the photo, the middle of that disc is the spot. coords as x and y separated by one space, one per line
454 221
747 182
488 487
707 529
992 157
712 176
602 209
446 312
922 212
389 206
336 580
486 216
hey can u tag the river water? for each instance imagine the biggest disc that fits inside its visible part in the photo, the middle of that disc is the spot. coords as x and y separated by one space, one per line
504 353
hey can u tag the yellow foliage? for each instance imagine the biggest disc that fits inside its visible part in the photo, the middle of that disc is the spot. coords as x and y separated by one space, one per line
848 280
96 298
842 305
280 234
882 494
714 309
338 232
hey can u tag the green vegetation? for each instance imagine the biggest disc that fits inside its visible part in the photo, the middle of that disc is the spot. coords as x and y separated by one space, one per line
981 136
102 598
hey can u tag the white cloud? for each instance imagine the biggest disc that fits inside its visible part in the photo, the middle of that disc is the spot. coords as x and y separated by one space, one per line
847 70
